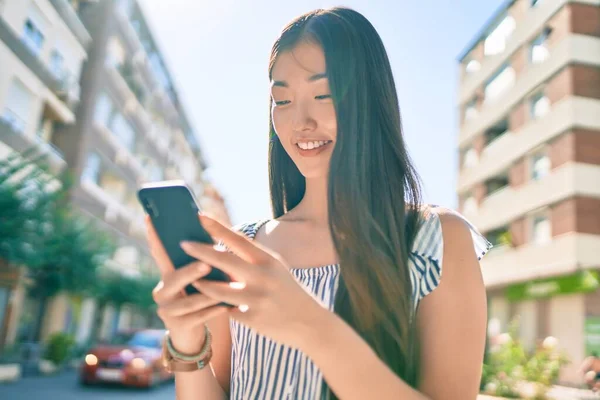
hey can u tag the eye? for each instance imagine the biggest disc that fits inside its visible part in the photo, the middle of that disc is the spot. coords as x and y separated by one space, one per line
281 103
323 97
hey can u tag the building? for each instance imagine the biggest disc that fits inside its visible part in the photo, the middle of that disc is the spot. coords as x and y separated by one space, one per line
129 127
529 175
43 45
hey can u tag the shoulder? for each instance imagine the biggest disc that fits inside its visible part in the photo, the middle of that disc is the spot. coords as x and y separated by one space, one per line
444 241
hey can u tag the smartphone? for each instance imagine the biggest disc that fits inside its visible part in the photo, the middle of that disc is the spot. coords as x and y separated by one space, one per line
174 210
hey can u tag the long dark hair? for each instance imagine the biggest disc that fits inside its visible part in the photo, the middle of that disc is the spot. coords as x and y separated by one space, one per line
373 191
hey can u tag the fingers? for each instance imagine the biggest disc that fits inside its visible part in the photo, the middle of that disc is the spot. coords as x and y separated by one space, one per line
186 305
195 319
227 262
238 243
233 293
173 283
157 250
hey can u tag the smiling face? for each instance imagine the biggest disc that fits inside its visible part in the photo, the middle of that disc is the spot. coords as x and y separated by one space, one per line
302 110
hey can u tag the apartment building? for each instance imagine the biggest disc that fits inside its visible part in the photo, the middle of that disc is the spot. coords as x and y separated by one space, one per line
43 45
127 126
529 174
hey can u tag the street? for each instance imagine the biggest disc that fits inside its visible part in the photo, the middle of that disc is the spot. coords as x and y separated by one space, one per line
65 387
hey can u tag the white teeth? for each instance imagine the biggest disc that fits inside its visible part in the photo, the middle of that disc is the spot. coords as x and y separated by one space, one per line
312 145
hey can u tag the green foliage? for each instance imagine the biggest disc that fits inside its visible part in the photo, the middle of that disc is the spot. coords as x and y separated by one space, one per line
59 348
511 371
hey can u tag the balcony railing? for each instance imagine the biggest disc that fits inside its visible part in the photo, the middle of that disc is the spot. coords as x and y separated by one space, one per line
12 132
27 53
69 15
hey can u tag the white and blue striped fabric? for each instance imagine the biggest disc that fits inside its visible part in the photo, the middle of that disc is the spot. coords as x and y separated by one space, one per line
264 369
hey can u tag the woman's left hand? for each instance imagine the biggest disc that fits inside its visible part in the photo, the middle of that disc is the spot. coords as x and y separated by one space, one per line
272 301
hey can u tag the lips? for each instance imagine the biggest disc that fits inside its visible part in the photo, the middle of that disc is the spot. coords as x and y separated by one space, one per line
311 148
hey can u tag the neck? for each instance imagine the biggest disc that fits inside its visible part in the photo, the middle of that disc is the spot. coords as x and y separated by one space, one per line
313 206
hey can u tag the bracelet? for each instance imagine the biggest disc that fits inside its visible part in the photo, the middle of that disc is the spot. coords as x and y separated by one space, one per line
206 348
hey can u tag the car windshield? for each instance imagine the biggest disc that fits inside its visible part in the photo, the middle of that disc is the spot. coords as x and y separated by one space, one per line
138 339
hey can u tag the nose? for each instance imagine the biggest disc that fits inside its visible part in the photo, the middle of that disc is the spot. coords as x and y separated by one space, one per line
302 118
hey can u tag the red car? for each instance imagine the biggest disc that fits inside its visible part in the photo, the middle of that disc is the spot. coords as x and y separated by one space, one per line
130 358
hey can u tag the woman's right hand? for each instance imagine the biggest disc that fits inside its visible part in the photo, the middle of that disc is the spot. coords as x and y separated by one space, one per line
183 315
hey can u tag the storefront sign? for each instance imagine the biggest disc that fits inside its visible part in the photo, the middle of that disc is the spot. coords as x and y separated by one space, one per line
592 335
581 282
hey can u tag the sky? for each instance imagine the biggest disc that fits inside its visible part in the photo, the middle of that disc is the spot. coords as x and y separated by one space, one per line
218 53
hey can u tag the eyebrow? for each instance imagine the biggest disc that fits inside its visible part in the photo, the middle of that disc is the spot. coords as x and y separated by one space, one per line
313 78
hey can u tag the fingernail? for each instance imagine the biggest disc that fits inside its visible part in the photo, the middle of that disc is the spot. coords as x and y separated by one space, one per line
185 244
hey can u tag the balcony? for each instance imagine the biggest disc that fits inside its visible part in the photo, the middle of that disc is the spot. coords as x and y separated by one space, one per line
509 203
508 148
58 85
12 130
128 31
123 157
563 255
69 15
524 31
572 49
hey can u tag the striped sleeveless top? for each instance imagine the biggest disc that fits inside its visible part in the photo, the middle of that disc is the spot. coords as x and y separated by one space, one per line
264 369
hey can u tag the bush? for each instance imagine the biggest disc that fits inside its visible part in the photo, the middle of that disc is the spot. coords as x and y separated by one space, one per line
59 348
511 371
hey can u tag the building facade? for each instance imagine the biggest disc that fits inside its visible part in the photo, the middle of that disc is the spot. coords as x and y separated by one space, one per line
126 127
43 46
529 174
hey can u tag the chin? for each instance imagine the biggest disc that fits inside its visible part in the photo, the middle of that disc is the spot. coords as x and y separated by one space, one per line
313 173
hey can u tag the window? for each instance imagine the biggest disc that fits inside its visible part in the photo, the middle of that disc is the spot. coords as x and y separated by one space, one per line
18 106
470 158
540 105
156 173
495 43
496 184
123 130
92 168
541 232
33 36
503 80
471 110
539 51
104 108
540 166
472 66
115 53
500 128
57 64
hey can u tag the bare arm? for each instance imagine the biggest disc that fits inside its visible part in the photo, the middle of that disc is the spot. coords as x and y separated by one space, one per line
452 322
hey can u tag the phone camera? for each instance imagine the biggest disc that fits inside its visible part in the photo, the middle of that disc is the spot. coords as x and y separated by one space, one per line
150 208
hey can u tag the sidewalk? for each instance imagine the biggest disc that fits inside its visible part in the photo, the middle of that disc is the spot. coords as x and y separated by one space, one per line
558 393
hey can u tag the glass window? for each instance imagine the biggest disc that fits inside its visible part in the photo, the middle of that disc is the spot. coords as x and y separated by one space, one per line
541 230
92 168
540 105
57 64
540 166
18 106
495 43
104 109
124 131
539 52
33 36
503 80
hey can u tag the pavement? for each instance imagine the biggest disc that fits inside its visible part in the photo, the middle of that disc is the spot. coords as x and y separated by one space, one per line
65 386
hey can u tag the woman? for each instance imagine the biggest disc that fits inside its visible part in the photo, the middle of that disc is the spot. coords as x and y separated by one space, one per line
340 295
